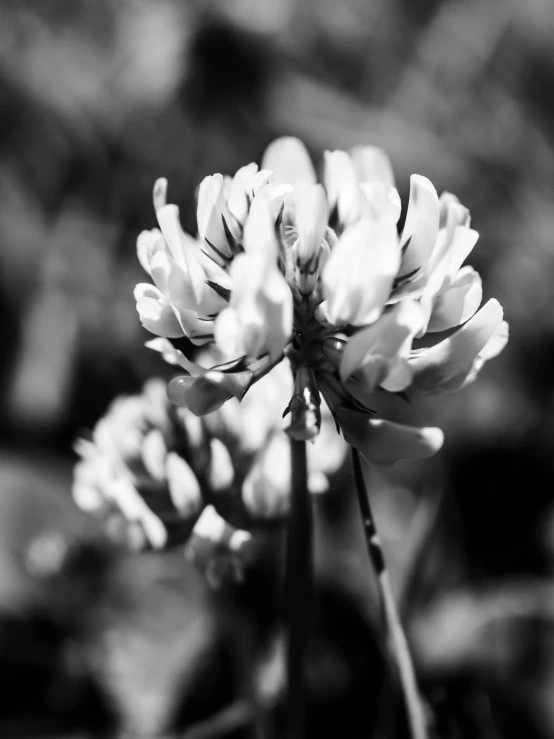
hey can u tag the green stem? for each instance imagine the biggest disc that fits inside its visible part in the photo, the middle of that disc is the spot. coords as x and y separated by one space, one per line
412 700
298 585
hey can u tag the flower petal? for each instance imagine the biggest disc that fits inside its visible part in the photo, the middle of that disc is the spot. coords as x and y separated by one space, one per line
221 471
446 365
197 394
359 273
228 333
208 391
310 214
288 159
259 317
421 227
339 174
241 192
183 486
372 163
159 194
211 212
182 248
385 442
458 303
492 349
259 231
386 338
156 313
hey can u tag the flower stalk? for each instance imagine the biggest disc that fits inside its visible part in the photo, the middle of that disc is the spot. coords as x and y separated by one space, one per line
398 642
298 593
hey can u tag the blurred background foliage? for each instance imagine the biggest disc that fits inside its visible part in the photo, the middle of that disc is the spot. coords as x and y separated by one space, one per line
100 97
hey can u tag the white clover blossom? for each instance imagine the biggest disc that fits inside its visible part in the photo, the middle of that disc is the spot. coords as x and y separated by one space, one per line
319 274
149 470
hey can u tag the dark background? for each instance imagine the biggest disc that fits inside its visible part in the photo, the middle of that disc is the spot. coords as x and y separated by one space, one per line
98 98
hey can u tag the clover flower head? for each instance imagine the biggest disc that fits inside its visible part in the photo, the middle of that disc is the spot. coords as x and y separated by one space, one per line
158 476
284 267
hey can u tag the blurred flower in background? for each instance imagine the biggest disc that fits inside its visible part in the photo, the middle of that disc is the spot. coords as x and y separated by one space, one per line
160 477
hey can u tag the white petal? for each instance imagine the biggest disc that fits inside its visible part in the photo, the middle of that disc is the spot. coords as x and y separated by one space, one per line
443 366
421 227
183 248
259 231
143 243
210 209
228 333
496 343
221 472
161 265
399 376
183 486
385 442
310 208
338 173
241 191
463 242
156 313
159 194
386 338
372 163
288 159
382 200
458 303
358 276
153 453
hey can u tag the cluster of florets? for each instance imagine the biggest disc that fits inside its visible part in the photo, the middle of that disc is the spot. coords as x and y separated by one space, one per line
159 476
283 267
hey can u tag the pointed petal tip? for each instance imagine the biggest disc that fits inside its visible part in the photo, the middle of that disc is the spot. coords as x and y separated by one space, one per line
159 194
288 158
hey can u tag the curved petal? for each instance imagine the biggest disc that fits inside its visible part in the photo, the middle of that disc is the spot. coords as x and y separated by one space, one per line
146 245
259 231
288 159
462 244
458 303
386 442
310 215
184 488
241 191
338 173
359 273
386 338
382 200
421 227
446 365
182 248
372 163
156 313
208 392
159 194
228 334
211 212
259 317
492 349
221 470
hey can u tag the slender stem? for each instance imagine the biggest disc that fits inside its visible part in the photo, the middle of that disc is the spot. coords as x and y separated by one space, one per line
412 700
298 586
